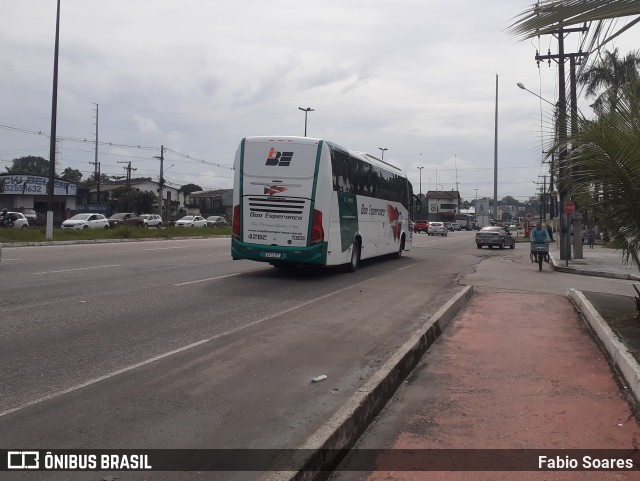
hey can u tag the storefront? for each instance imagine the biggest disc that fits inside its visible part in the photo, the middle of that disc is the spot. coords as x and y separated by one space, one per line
19 191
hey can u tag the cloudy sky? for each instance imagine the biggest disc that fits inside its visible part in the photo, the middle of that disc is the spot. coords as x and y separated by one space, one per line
417 77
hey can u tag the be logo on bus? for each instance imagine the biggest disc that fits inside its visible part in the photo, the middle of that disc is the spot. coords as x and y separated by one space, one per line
282 159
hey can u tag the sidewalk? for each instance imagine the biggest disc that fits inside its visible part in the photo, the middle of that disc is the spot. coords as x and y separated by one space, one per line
503 377
511 373
598 261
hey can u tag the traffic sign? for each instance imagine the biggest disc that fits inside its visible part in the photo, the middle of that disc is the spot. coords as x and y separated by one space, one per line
528 216
569 207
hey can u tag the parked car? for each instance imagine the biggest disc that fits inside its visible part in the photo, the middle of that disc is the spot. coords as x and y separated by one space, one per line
18 220
421 226
31 215
437 228
125 218
86 221
216 221
192 221
448 226
456 226
495 236
151 220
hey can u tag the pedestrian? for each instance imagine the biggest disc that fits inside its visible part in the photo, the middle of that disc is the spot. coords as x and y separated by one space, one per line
591 237
550 231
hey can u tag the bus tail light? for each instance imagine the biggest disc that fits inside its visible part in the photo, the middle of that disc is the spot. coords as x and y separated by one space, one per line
317 232
236 222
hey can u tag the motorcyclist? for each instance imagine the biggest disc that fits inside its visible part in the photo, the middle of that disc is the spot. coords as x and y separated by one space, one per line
539 235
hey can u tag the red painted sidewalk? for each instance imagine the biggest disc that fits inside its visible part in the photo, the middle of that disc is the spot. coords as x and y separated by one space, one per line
512 371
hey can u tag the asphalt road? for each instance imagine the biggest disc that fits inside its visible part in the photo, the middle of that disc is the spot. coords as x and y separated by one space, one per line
171 344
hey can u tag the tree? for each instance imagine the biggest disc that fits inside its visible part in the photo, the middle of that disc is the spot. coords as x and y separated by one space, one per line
71 175
104 179
30 165
133 200
609 74
189 188
544 18
607 179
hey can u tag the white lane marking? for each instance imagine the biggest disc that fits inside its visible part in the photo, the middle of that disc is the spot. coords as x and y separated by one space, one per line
207 279
78 269
175 351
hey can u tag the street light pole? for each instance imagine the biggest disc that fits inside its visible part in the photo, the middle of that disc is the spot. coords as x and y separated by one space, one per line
52 143
519 84
420 170
382 149
306 111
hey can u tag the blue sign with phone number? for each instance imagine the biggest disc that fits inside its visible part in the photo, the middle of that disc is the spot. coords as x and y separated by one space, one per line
34 185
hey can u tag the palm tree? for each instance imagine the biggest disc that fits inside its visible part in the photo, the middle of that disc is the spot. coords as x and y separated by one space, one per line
609 74
607 177
544 17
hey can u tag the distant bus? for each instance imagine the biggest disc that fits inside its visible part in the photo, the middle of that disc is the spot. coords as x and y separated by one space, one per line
298 200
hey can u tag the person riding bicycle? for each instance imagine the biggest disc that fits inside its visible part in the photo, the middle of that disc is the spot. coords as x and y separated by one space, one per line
539 235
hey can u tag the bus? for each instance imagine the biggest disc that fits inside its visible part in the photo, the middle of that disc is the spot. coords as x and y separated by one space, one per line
306 201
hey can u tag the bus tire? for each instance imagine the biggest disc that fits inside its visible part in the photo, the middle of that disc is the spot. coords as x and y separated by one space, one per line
355 257
398 254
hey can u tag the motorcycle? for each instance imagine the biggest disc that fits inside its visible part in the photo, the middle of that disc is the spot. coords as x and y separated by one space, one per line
539 253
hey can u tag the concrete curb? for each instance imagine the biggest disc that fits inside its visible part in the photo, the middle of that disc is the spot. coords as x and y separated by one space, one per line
618 352
585 272
321 452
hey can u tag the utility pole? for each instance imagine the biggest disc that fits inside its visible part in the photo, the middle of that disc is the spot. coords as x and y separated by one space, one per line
160 183
96 164
420 170
495 161
128 169
563 169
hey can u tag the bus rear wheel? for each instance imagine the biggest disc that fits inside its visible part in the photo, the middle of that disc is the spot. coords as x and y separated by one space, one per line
398 254
355 257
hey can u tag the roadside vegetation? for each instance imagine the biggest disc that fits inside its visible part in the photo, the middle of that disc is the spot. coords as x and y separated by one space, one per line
604 161
37 234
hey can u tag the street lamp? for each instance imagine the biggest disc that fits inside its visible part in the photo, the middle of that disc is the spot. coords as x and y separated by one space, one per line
52 144
306 111
519 84
382 149
420 170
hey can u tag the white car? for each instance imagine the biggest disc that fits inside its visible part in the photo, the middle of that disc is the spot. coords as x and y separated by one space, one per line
152 220
437 228
192 221
86 221
19 220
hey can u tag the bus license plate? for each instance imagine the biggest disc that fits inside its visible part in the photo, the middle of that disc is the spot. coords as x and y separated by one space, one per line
273 255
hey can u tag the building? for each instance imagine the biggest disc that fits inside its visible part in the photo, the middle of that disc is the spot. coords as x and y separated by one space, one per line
171 196
211 202
442 206
24 191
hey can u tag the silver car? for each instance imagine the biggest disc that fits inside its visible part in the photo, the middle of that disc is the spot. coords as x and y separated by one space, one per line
495 236
437 228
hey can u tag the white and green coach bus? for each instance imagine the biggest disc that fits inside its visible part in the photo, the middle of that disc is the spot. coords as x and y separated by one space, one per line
298 200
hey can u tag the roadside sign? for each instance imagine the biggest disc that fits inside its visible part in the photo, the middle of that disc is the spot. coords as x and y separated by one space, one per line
569 207
528 216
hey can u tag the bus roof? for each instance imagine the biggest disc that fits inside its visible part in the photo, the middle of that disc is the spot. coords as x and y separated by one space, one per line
372 159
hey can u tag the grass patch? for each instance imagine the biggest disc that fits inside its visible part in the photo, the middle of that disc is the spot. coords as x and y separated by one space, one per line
38 234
